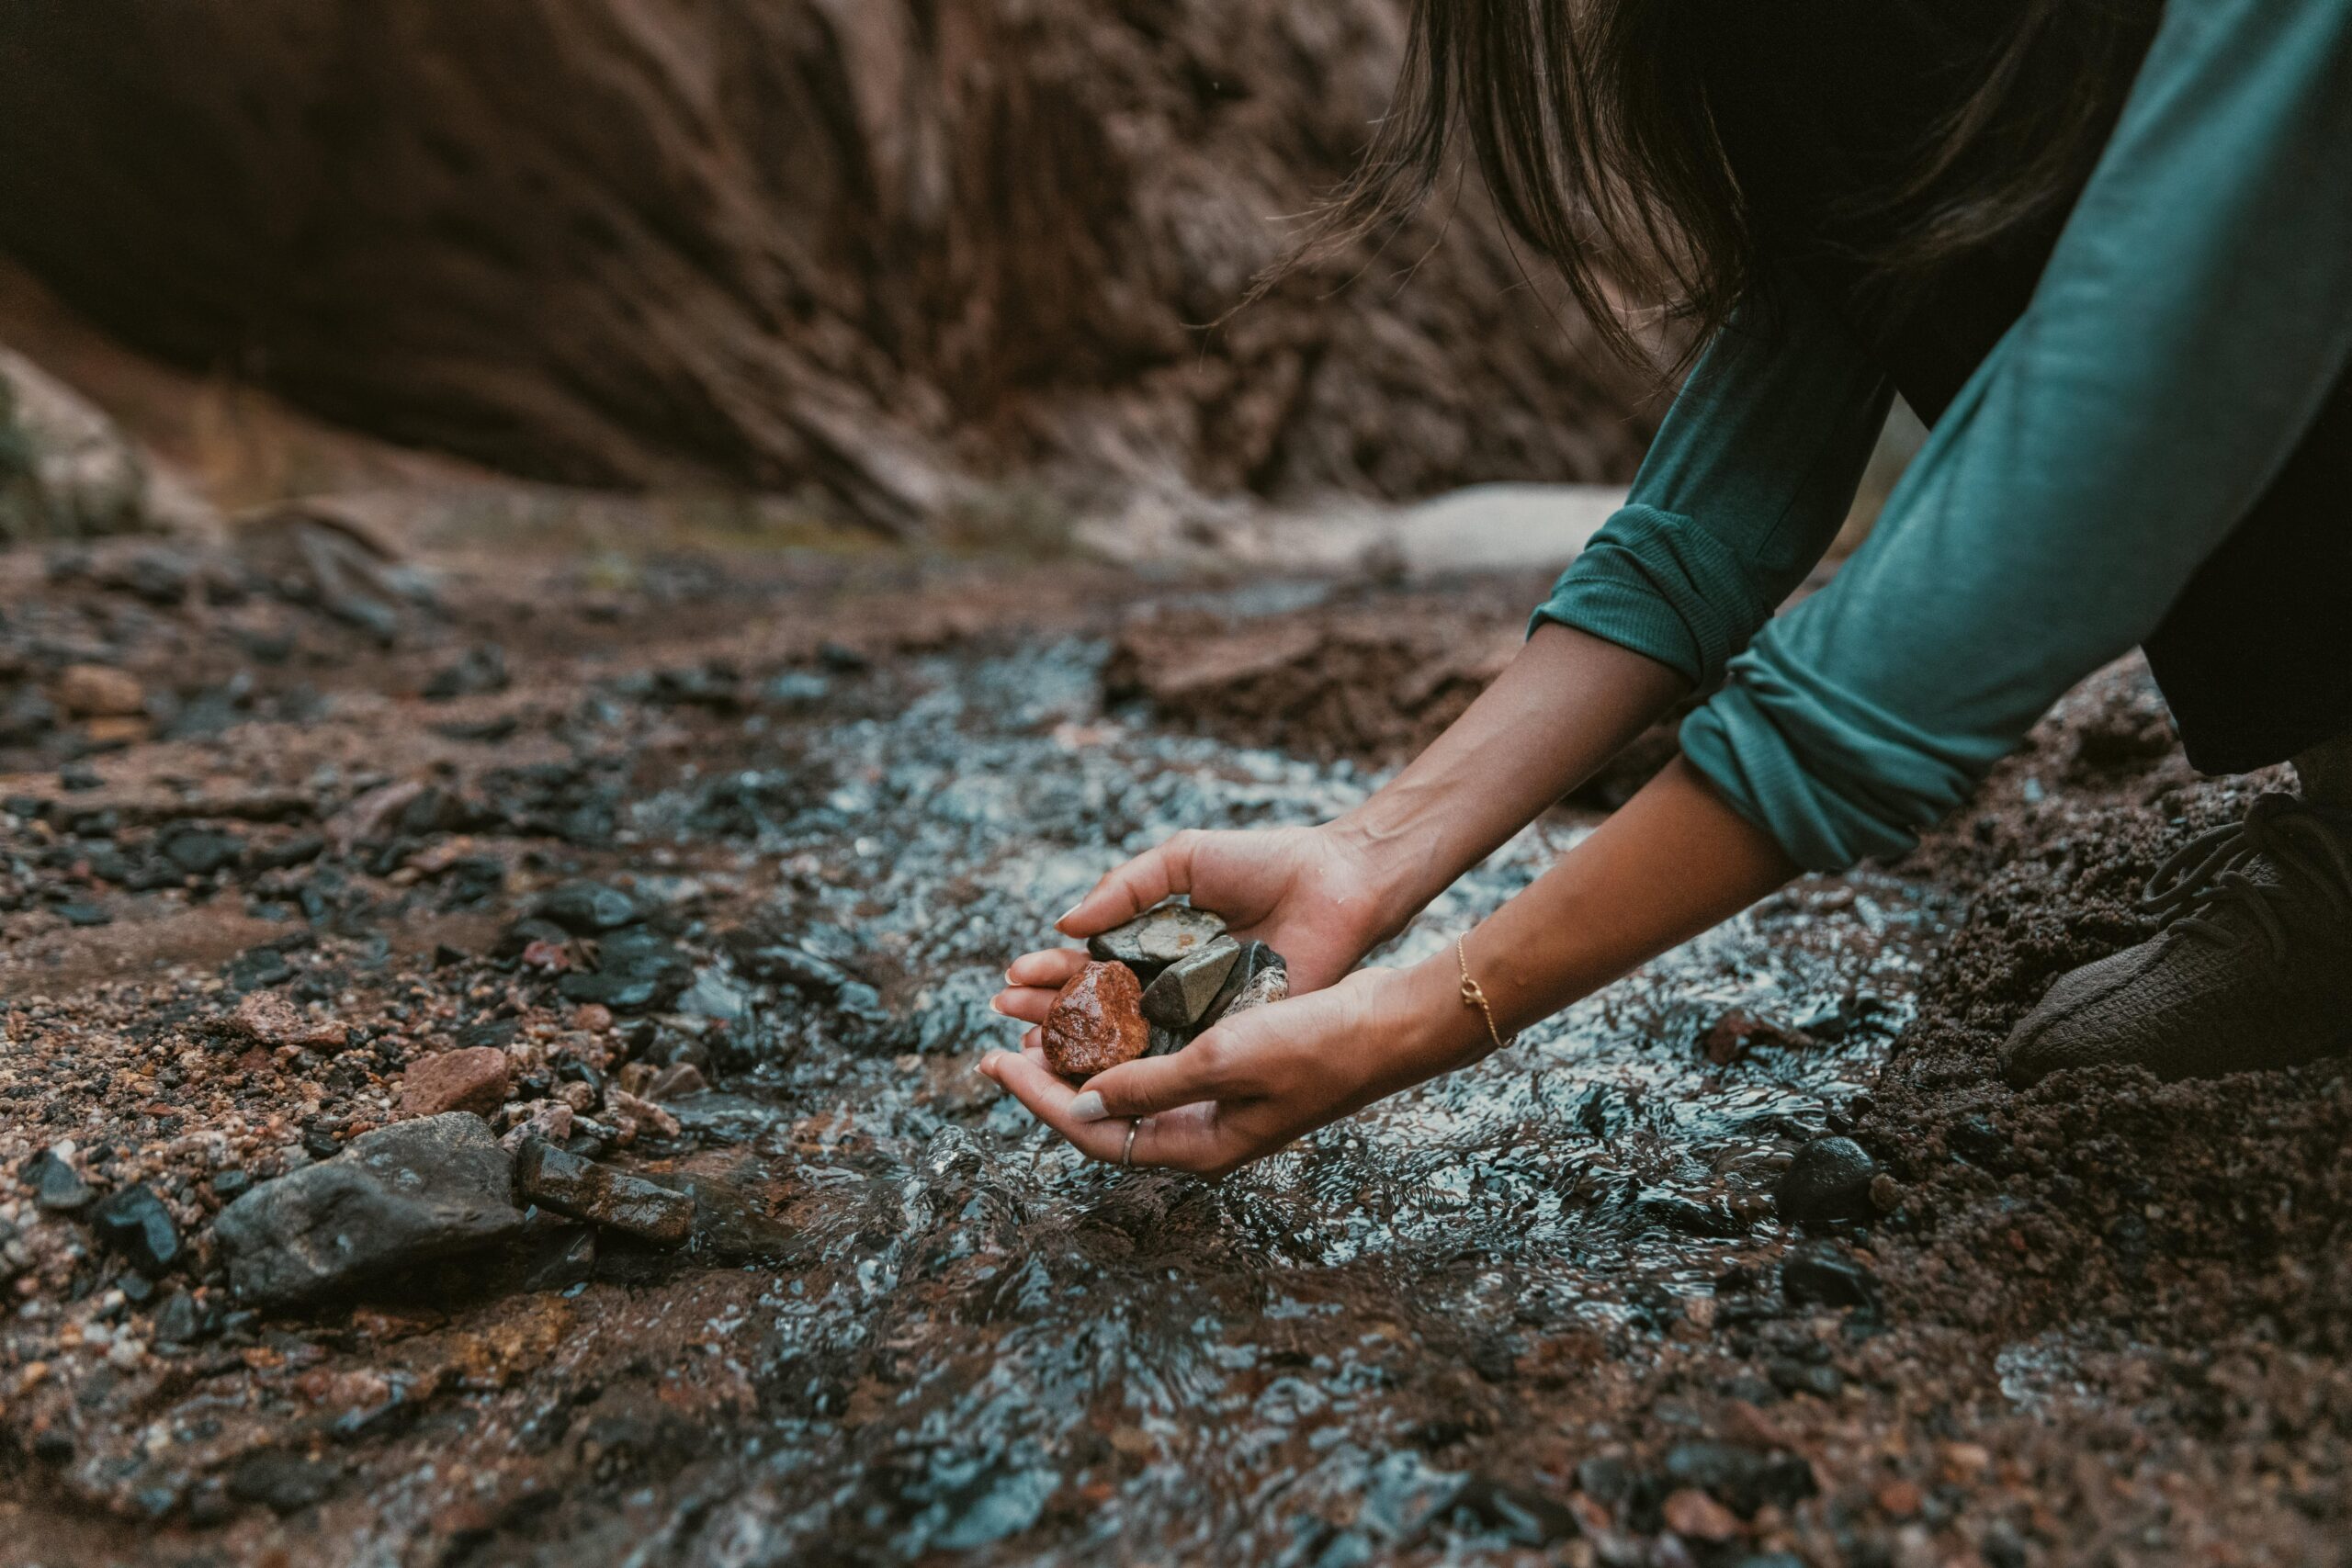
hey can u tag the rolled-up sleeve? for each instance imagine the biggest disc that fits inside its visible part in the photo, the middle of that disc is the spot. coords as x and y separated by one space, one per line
2195 315
1746 486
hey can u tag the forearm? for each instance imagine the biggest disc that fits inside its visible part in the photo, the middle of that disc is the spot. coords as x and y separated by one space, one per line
1567 703
1675 862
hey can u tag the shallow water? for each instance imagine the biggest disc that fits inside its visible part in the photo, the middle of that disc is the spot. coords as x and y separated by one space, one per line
991 1344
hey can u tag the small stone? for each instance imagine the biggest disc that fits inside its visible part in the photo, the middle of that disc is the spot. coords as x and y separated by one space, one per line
1156 938
135 1224
677 1079
1266 985
57 1186
637 1116
475 1079
1694 1516
410 1193
1182 994
1256 959
1739 1031
585 909
549 1119
98 691
1097 1021
282 1482
1829 1180
1822 1276
267 1018
1741 1478
567 1184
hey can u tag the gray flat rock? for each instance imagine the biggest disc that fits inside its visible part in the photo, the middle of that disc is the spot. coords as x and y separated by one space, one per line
403 1195
1156 938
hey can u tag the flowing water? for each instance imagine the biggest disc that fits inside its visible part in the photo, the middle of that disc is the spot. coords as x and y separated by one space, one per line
990 1344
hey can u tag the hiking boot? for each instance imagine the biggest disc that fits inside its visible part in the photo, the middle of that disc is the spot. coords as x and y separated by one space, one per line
2253 969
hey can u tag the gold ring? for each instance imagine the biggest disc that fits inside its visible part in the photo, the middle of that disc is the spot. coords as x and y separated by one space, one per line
1127 1158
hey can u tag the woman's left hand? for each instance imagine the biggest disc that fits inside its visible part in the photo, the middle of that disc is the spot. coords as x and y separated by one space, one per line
1255 1083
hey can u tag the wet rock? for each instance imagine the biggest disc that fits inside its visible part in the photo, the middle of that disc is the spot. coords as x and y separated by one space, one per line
480 672
1739 1031
282 1482
57 1186
178 1321
1156 938
99 691
134 1223
602 1196
405 1194
1182 994
1688 1215
676 1080
268 1019
1743 1479
200 851
1097 1021
475 1078
1255 960
637 970
1520 1515
1829 1180
1824 1276
1694 1516
587 908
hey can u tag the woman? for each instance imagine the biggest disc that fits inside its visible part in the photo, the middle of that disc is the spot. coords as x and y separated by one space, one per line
2105 248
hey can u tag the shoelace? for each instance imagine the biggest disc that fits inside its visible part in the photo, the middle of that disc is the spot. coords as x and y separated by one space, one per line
2206 872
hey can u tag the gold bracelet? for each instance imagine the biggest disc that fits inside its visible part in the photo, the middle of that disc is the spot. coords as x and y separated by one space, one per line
1474 994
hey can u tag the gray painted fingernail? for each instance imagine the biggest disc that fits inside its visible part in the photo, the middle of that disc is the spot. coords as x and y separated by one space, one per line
1088 1107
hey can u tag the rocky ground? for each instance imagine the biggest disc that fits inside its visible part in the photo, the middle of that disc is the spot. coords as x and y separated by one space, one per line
486 1079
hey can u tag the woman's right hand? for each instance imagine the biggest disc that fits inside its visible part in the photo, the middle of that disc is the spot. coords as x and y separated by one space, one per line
1310 894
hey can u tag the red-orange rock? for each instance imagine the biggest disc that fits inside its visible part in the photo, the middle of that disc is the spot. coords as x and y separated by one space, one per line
474 1079
1097 1021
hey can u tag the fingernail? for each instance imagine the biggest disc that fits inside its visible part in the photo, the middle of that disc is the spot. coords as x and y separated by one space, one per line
1088 1107
1009 979
1063 919
996 1005
986 1065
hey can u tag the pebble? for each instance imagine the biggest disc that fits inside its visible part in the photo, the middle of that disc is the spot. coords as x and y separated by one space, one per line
57 1186
1097 1021
1268 985
583 1189
1695 1516
99 691
1255 960
135 1222
585 908
1829 1180
1743 1479
1185 990
475 1078
1823 1276
406 1194
1156 939
267 1017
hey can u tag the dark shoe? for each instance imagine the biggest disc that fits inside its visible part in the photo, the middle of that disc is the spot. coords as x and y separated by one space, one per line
2253 970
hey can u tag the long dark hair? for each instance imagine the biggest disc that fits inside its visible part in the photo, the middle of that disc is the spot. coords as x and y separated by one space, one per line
1594 125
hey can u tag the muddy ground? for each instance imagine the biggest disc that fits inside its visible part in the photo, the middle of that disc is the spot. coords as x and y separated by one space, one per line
1549 1310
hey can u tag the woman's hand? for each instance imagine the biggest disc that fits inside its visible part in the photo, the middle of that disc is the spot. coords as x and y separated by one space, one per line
1311 894
1255 1083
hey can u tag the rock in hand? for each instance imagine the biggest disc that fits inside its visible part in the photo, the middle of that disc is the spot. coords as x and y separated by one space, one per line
1155 985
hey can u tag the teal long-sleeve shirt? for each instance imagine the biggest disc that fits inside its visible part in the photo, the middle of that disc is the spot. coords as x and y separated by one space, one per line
2194 315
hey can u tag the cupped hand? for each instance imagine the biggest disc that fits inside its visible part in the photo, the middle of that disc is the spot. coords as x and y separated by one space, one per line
1308 893
1256 1082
